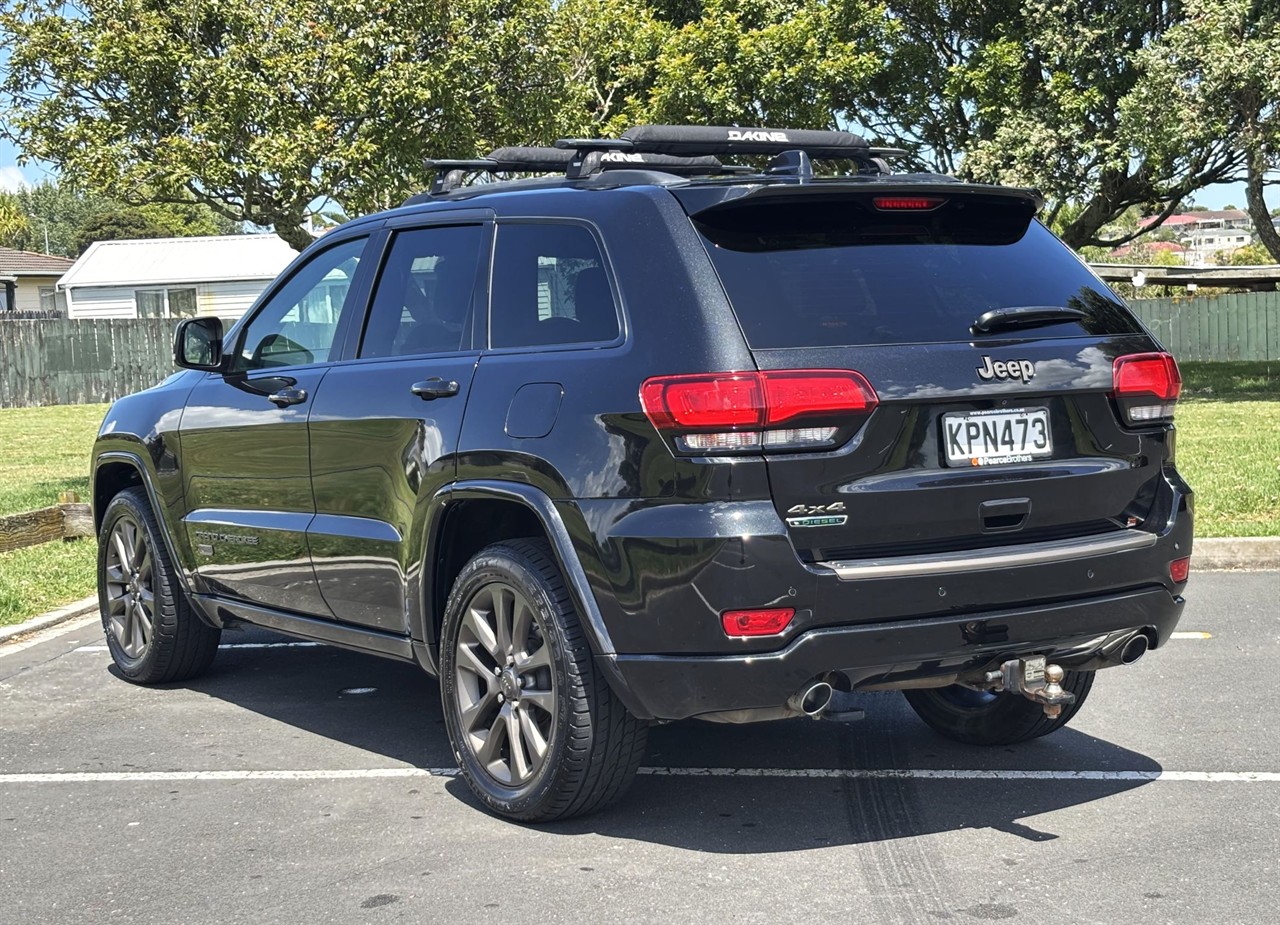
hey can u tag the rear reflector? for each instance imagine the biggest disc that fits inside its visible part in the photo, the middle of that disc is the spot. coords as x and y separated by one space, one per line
1179 569
907 203
757 622
745 411
1147 386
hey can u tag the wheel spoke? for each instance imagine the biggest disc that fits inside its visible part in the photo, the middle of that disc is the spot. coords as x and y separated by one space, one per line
503 604
475 623
472 715
519 762
489 752
543 700
531 735
144 567
120 608
139 547
118 544
138 638
521 627
468 660
146 614
115 575
539 658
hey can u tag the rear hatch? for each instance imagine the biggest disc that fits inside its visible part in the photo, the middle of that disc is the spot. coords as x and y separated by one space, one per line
987 358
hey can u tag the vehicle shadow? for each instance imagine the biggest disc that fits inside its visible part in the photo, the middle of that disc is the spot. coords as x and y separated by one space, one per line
309 688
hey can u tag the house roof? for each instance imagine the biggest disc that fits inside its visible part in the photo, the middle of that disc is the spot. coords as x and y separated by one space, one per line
1172 247
165 261
1192 218
26 263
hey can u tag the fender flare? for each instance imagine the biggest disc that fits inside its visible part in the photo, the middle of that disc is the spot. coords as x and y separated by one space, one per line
144 473
561 545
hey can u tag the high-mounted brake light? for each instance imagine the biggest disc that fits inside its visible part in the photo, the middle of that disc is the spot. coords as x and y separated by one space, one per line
756 622
737 412
1146 387
907 203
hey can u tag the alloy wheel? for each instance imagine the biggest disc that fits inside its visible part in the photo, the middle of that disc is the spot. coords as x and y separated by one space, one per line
506 696
131 599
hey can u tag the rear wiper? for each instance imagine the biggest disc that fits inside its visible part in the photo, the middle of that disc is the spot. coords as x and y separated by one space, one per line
1024 316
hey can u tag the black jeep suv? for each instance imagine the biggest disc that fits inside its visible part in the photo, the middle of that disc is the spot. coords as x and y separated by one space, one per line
643 435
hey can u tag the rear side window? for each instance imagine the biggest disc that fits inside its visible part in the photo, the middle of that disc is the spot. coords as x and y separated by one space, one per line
550 287
838 274
423 302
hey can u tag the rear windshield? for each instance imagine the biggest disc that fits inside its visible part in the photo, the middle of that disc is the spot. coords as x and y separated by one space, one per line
840 274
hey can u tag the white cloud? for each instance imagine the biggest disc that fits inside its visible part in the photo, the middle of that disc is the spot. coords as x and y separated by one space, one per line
11 179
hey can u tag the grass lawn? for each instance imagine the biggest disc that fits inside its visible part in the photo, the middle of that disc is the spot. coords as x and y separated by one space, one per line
1228 449
44 451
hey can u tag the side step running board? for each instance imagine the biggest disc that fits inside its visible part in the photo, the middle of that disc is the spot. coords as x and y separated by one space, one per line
997 557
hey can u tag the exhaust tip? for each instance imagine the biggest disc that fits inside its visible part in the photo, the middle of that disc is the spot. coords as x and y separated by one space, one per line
813 699
1134 649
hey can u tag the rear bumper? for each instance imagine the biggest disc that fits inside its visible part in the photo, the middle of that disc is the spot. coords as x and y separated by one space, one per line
677 687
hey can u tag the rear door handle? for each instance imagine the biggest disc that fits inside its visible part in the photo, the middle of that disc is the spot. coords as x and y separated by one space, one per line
433 388
287 397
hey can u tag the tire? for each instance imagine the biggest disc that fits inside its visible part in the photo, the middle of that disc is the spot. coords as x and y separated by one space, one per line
994 719
547 692
160 638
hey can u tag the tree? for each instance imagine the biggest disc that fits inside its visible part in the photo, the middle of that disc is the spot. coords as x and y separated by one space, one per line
118 225
261 109
15 230
1041 93
1220 68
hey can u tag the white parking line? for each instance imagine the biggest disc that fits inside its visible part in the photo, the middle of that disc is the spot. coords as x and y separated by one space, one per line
1191 635
1207 777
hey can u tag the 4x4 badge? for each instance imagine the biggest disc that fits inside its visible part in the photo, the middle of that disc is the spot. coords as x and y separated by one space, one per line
1006 369
817 515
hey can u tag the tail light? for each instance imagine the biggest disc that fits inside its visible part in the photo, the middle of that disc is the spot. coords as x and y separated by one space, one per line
1179 569
756 622
745 412
1146 387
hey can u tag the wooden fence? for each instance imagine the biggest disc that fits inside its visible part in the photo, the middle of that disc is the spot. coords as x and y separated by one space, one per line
65 362
69 519
1244 326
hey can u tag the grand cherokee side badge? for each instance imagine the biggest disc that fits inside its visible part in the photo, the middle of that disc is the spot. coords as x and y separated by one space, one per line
817 515
1006 369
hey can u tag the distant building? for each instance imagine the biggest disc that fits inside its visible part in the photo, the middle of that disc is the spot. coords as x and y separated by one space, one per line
1150 247
1202 235
28 280
172 277
1188 222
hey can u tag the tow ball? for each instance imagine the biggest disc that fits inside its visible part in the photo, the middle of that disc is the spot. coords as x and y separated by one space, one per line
1036 681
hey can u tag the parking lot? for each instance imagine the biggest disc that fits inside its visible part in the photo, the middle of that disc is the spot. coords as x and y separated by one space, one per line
301 783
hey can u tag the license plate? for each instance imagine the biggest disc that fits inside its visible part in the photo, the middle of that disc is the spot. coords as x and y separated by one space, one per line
994 438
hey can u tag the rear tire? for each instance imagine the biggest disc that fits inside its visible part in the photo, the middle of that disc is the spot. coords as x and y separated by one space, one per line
994 719
153 633
537 732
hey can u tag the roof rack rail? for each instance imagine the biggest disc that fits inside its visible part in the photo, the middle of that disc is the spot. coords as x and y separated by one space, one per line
681 150
593 156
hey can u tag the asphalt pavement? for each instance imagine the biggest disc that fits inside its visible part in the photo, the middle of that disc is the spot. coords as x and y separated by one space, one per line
306 784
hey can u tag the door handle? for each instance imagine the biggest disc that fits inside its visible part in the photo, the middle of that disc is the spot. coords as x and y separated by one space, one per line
288 396
435 387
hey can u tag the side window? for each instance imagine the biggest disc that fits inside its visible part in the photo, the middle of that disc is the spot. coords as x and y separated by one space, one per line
297 325
425 292
550 287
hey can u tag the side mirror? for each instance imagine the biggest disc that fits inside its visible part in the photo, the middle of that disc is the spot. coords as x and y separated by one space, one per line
197 344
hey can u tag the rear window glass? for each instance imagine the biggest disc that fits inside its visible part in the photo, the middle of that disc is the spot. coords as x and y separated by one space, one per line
837 274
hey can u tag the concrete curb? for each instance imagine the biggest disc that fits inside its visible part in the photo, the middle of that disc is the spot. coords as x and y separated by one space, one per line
52 618
1245 552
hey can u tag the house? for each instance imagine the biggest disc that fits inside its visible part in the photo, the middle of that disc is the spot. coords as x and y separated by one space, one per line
27 280
173 277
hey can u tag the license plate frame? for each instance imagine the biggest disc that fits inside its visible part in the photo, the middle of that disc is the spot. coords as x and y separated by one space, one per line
1022 446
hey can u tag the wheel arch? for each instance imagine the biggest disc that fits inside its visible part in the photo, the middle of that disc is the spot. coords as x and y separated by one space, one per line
117 470
476 513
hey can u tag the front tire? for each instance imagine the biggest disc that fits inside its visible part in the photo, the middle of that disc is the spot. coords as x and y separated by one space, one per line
537 733
153 633
978 718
